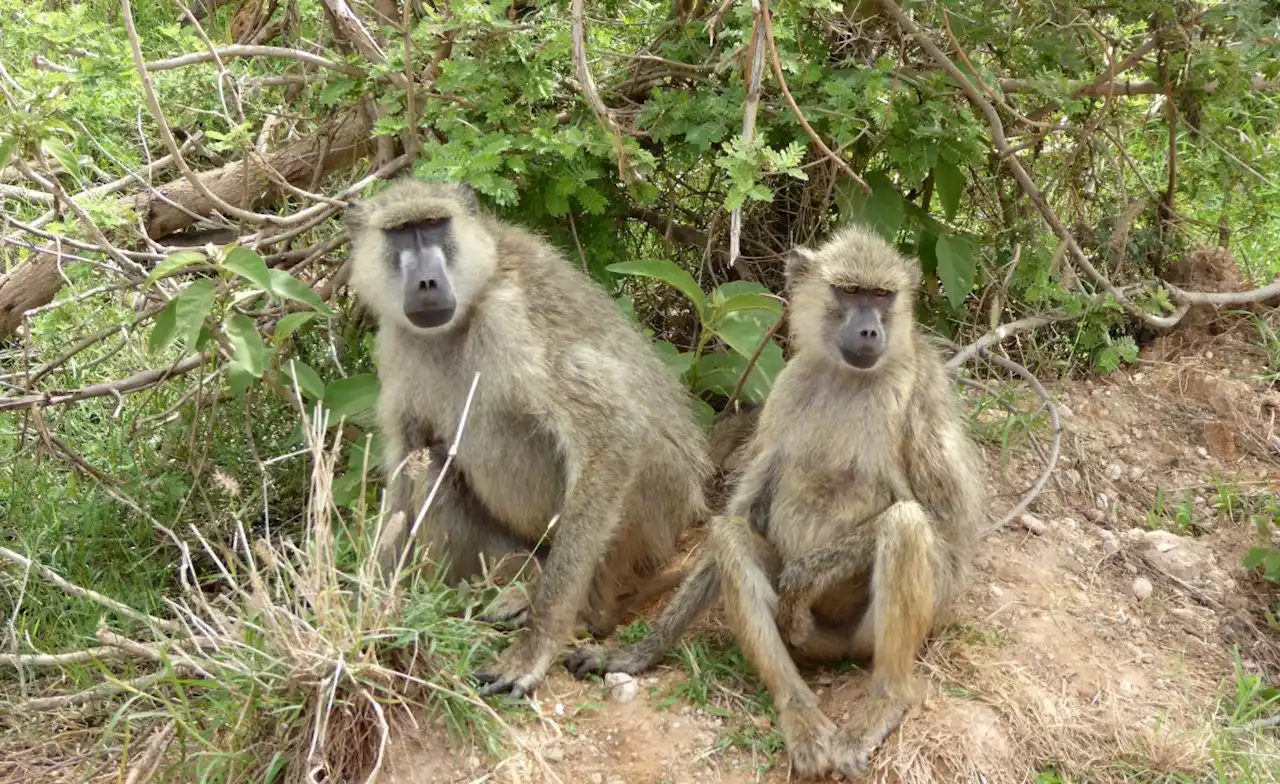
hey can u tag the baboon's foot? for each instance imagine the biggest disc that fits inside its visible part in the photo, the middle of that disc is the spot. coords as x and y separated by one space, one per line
809 736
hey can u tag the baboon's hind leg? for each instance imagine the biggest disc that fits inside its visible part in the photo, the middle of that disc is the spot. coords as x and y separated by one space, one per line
903 605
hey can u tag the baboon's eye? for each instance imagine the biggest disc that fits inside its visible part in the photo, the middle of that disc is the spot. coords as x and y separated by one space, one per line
849 291
430 223
882 293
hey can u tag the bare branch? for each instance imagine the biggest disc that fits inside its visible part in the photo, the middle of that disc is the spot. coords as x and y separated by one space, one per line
589 83
756 58
1002 333
244 51
795 108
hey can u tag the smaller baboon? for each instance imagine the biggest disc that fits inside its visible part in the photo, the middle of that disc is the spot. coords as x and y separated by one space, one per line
574 417
852 525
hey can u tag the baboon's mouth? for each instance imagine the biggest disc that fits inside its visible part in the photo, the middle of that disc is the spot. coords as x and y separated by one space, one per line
428 318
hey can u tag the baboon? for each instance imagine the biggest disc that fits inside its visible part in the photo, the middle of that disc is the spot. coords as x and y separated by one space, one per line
852 525
574 416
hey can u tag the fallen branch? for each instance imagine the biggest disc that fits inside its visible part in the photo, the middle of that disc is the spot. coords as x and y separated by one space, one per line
134 383
72 589
60 659
1002 333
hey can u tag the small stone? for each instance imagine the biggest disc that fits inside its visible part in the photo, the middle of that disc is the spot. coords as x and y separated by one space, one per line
1094 515
1110 542
597 778
1064 412
622 686
1202 452
1033 524
553 754
1101 502
996 591
1141 588
559 709
1114 472
1135 473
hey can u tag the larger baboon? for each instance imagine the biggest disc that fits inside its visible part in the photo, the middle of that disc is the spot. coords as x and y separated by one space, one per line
574 415
852 525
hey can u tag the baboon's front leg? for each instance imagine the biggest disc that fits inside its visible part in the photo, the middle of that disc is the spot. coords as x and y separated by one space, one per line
747 564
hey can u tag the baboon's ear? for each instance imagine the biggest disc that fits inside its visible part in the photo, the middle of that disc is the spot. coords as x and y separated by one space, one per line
799 262
466 197
355 217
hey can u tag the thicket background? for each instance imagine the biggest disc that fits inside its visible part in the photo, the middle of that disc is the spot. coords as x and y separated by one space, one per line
1073 175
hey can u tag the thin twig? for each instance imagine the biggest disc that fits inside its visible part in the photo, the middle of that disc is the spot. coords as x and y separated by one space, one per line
239 50
795 108
138 381
603 115
1001 333
749 116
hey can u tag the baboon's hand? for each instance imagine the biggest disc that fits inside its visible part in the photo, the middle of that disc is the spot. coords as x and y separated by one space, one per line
510 608
809 736
795 621
856 741
517 672
597 660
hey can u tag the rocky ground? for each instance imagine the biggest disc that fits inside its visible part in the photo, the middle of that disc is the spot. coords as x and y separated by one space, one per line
1106 637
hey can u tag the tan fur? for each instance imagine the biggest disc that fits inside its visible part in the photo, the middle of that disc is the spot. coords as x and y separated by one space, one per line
574 415
853 524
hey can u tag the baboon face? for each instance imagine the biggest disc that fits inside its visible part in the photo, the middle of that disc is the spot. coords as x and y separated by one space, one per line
851 299
423 252
863 323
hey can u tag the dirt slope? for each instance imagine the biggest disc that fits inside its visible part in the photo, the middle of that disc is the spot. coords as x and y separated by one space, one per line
1055 663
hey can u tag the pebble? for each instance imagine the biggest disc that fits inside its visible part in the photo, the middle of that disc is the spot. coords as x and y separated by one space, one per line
597 778
1110 542
996 591
559 709
1094 515
1114 472
1142 588
622 686
1033 524
1202 452
553 754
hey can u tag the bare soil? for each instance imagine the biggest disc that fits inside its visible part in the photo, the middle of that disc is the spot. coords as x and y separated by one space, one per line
1054 662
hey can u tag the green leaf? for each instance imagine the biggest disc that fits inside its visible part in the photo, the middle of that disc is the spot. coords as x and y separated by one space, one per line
955 268
948 180
677 361
290 324
172 263
7 146
287 286
927 251
719 372
667 272
249 266
250 353
703 413
165 328
1271 566
744 330
63 154
238 378
347 397
1255 557
193 306
309 381
883 210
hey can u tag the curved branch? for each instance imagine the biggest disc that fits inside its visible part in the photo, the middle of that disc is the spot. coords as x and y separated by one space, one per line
138 381
244 51
795 108
592 94
1002 333
1184 299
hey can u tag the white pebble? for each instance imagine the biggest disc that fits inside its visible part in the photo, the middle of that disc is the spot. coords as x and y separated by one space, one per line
559 708
622 686
1202 451
1142 587
597 778
1114 471
996 591
553 754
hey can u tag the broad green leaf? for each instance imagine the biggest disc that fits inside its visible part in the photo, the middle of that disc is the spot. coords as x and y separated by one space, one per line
7 146
719 372
883 210
165 328
1271 565
238 377
667 272
194 303
955 268
347 397
948 181
249 266
927 252
703 413
309 381
290 324
174 262
63 154
1254 558
677 361
287 286
757 304
744 329
250 353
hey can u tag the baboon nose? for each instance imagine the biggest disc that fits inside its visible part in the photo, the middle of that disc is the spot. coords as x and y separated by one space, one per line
427 285
869 334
